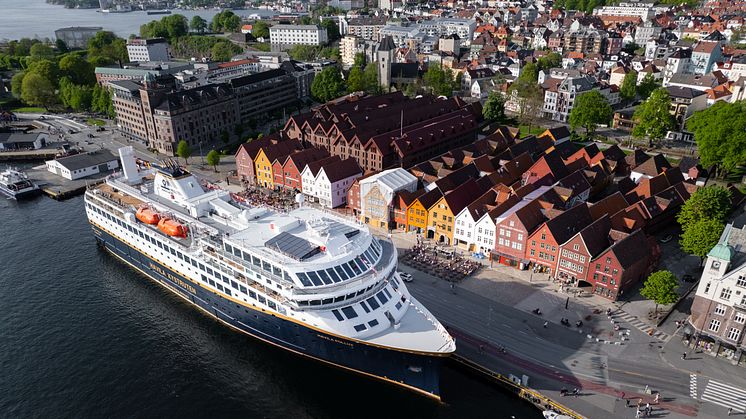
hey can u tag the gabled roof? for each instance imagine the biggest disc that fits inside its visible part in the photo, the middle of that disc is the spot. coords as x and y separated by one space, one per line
631 249
462 196
457 178
430 198
338 170
608 206
315 166
653 166
566 225
596 235
301 158
281 150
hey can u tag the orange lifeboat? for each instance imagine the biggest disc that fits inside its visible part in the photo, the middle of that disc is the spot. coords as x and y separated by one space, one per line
148 216
172 228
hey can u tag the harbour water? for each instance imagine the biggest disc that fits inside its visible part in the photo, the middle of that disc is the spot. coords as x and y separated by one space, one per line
83 335
37 18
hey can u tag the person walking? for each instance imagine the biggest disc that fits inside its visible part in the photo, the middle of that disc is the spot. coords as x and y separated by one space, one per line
545 324
683 356
730 410
637 414
657 397
626 401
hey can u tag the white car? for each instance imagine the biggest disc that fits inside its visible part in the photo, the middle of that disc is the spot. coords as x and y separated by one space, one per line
405 276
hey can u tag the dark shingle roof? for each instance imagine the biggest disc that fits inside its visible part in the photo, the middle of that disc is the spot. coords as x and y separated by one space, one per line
82 161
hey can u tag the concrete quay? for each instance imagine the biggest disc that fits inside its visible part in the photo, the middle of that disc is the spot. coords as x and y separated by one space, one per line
492 310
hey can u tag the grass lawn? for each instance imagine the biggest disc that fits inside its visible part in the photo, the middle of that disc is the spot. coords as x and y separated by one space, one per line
535 130
96 122
29 109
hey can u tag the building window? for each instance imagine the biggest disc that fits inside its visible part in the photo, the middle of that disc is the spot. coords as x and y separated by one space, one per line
576 247
707 288
741 282
739 318
725 294
720 310
734 334
714 325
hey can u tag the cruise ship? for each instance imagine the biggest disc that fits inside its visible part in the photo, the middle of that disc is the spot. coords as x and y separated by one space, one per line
306 280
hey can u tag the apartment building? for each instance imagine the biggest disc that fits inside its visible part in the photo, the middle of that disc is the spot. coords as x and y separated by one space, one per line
283 37
147 50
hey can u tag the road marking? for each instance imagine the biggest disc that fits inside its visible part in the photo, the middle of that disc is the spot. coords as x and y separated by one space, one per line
725 395
693 385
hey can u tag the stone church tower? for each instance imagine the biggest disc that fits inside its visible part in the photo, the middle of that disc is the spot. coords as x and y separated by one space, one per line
385 57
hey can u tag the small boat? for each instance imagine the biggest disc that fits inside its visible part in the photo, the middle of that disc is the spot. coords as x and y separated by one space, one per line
172 228
148 216
16 185
159 12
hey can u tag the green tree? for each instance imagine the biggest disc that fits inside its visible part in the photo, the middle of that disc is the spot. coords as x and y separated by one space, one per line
699 238
75 96
709 203
628 89
106 48
370 78
184 151
529 72
720 133
47 69
41 52
78 70
660 287
198 24
355 80
225 137
440 82
38 90
647 85
551 60
16 84
359 60
332 30
529 100
327 85
653 116
61 46
303 52
226 21
590 109
494 108
260 29
213 159
222 51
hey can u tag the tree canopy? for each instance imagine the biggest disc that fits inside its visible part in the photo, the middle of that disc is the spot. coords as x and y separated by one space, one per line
590 109
720 133
327 85
628 89
494 108
184 151
106 48
198 24
226 21
701 236
169 27
332 30
224 51
355 80
529 100
709 203
647 85
653 117
551 60
38 90
213 159
260 29
78 70
441 82
660 287
529 72
370 78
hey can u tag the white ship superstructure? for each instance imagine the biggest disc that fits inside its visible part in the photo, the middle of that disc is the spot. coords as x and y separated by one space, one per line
302 269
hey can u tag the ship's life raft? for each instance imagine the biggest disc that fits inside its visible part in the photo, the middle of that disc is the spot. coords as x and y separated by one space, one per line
148 216
172 228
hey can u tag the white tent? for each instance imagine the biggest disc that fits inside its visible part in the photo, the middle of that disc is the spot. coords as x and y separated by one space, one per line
389 182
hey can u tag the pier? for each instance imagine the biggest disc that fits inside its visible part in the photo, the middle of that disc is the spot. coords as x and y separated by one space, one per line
59 188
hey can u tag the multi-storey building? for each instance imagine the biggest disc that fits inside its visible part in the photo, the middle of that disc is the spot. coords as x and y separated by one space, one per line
264 93
157 114
366 28
147 50
641 9
283 36
719 309
704 55
560 96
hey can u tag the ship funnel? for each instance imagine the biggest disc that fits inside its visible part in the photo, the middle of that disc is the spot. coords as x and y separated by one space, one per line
127 156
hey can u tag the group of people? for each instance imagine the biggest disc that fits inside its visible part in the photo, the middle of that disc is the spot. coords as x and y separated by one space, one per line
264 198
449 267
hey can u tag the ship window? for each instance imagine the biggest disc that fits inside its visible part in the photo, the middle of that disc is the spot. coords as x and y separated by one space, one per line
302 303
325 277
382 297
327 301
201 266
204 278
194 262
277 271
236 252
354 267
220 287
398 305
225 279
180 255
373 303
234 284
209 271
365 306
360 327
246 257
388 294
338 299
304 279
159 244
341 272
365 256
315 302
333 275
252 294
373 323
142 236
256 261
360 292
348 270
173 252
337 315
264 300
227 291
272 305
243 289
349 312
315 279
228 248
211 282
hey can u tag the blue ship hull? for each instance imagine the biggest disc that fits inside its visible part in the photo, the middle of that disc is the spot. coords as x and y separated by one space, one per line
415 371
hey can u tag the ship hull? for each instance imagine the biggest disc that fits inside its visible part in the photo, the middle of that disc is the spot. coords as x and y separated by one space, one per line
415 371
25 194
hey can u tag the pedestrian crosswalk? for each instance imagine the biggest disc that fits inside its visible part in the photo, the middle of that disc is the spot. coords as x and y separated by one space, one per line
693 385
725 395
638 324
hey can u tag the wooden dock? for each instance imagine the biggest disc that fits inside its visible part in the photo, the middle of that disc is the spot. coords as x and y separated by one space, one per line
59 188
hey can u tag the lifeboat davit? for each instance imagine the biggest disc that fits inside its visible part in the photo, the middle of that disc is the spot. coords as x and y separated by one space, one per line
172 228
148 216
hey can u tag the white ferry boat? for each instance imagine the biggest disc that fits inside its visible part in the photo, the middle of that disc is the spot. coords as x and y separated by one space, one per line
16 185
307 281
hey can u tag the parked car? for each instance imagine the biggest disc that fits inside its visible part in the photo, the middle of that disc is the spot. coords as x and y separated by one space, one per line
405 276
666 239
